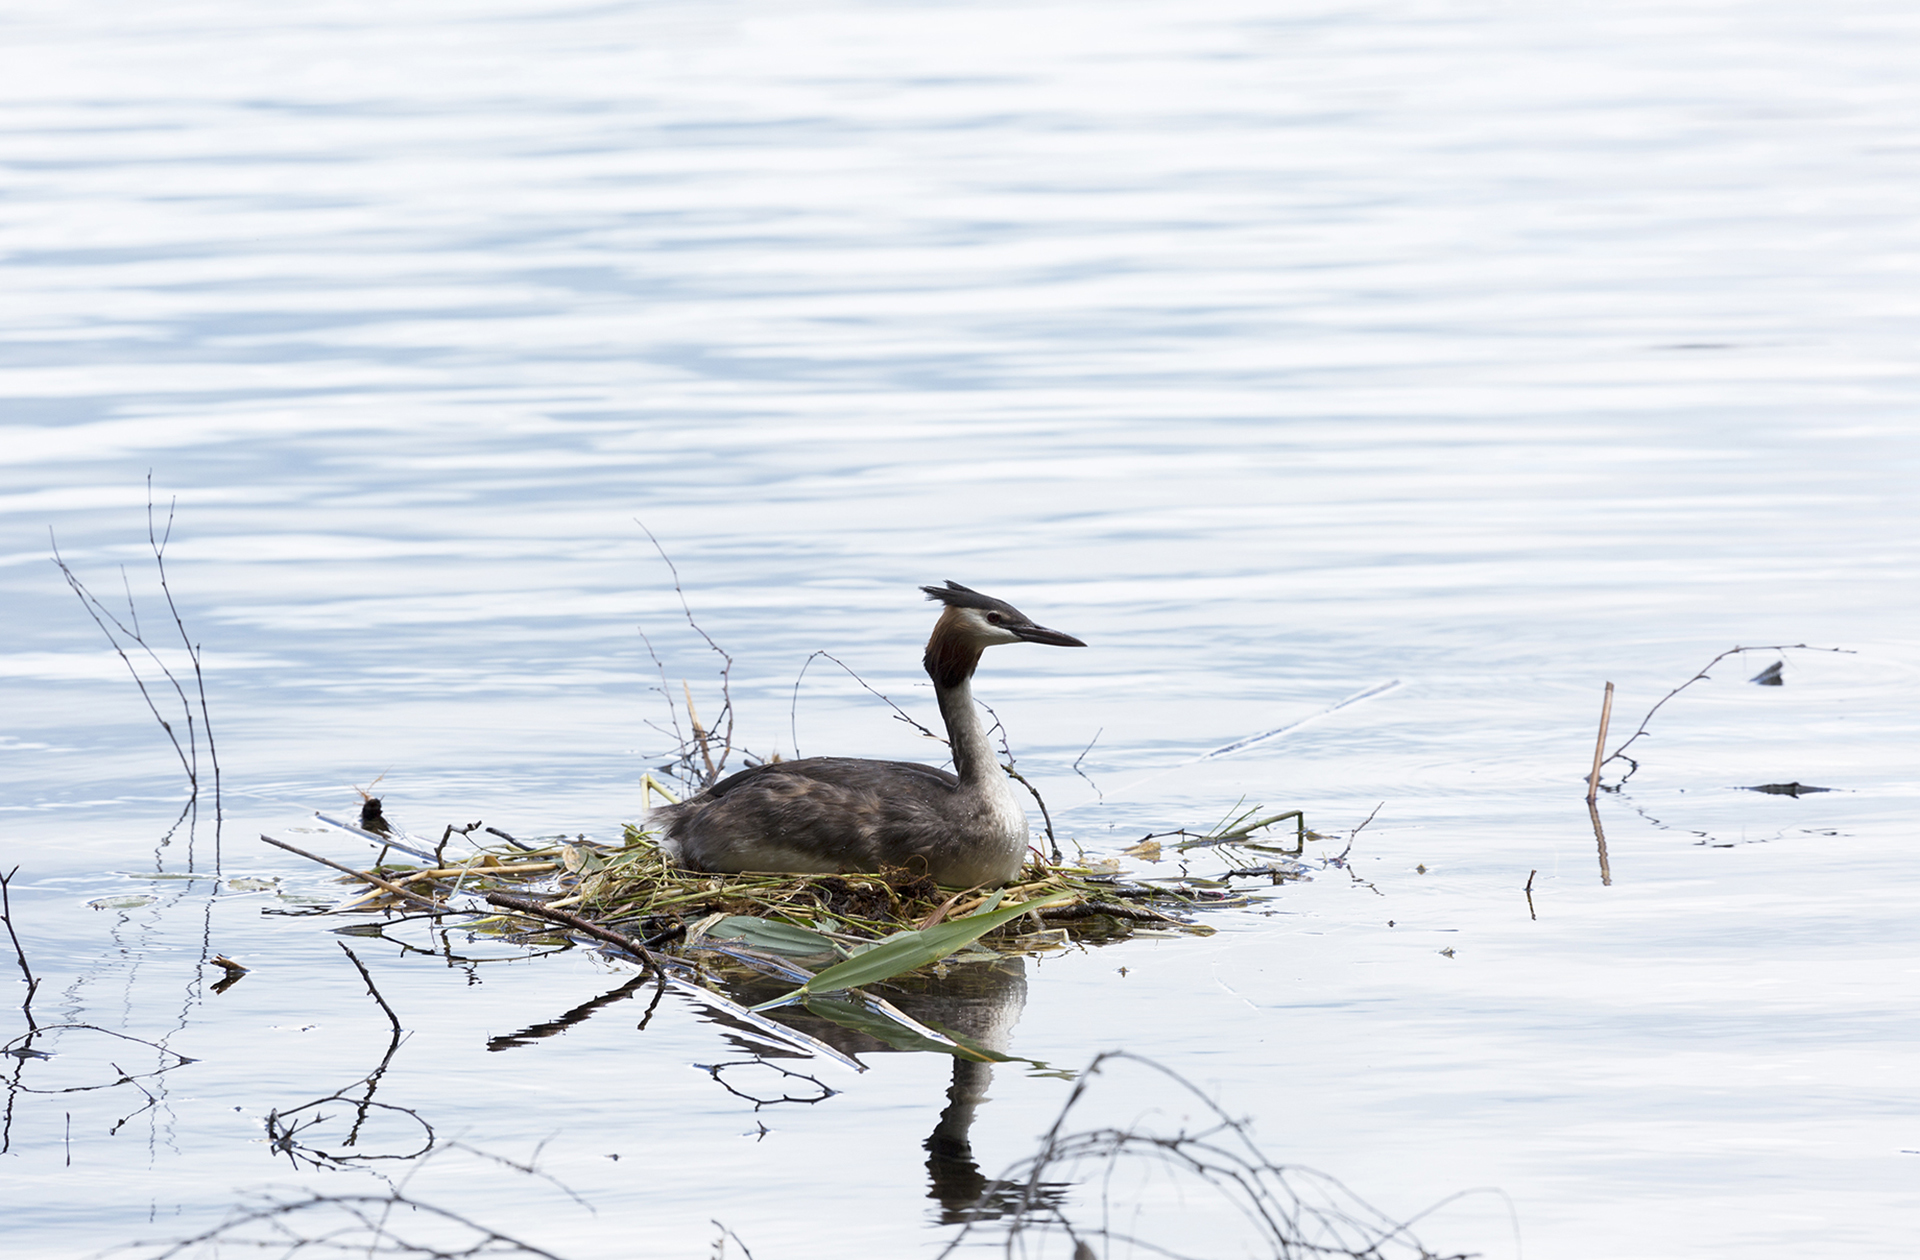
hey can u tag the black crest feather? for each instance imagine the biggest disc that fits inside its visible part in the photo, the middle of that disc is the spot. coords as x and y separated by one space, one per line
954 595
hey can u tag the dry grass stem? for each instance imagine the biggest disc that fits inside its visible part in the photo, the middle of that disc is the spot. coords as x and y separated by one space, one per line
1600 744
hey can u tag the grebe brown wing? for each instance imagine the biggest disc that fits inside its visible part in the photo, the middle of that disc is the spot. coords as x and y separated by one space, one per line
818 814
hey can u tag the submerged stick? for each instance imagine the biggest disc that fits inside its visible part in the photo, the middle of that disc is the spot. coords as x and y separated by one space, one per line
368 977
1600 745
371 878
1600 842
534 910
6 915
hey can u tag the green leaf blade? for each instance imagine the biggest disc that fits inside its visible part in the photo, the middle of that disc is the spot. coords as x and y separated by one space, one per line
904 951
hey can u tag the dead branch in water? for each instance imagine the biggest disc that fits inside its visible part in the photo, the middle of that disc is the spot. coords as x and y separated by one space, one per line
285 1127
120 635
371 987
721 731
1633 766
24 1052
6 916
1046 819
1215 1169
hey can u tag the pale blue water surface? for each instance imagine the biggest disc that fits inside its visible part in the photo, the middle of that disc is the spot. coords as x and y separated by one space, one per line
1279 351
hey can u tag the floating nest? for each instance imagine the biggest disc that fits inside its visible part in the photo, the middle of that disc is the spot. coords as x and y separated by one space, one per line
632 892
828 938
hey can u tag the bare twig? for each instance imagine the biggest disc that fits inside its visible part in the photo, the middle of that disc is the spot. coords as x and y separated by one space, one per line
524 848
1289 1211
1357 830
793 708
6 913
1053 845
1620 752
123 1077
102 618
362 969
723 727
285 1128
679 740
1099 796
720 1243
159 547
366 1224
1046 819
820 1093
440 850
120 634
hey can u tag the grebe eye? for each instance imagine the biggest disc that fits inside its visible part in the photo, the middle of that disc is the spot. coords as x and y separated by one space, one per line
993 619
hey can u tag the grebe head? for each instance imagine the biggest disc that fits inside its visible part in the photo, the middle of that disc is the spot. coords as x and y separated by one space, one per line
972 623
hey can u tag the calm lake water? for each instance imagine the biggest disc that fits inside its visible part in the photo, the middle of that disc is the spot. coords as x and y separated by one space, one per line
1278 351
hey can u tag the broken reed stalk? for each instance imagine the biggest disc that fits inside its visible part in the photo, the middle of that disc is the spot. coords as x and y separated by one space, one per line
1600 745
368 876
461 872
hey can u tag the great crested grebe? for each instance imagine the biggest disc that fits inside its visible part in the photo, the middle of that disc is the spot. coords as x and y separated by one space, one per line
832 814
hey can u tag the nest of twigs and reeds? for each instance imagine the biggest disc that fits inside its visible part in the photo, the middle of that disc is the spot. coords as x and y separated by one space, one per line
826 937
633 892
